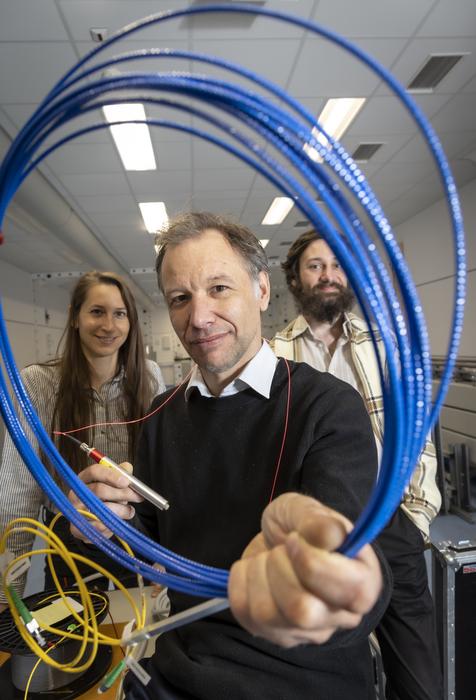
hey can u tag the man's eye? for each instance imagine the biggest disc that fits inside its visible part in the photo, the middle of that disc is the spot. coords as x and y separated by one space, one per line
175 301
220 288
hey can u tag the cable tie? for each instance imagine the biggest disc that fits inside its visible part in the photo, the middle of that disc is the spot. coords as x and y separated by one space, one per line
138 671
18 570
127 631
6 557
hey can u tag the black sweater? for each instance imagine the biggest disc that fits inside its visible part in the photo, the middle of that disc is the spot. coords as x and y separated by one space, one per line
215 460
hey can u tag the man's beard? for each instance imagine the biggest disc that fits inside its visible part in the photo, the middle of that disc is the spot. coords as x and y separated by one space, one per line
320 306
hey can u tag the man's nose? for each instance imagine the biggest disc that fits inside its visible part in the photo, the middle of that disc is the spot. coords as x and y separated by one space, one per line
201 312
328 274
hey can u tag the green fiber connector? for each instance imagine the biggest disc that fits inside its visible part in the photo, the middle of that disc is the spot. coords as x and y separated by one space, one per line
23 611
111 677
30 623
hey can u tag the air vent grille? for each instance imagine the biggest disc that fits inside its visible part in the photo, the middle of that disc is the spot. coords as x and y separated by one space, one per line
286 243
365 151
301 224
434 70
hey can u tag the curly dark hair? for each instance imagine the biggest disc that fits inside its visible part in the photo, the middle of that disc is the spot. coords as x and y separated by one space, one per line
290 266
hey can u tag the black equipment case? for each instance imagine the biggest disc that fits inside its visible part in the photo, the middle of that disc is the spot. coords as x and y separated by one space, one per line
454 593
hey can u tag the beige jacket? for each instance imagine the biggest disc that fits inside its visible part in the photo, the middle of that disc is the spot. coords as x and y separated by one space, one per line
422 499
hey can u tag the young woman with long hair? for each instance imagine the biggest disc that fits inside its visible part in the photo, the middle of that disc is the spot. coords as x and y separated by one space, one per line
100 376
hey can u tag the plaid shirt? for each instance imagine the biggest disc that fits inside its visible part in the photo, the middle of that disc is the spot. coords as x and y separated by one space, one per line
422 498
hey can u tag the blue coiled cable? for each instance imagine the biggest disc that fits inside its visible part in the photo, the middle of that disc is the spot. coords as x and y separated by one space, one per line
407 383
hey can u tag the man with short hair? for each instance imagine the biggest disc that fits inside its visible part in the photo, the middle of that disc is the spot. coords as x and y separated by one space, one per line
328 337
246 431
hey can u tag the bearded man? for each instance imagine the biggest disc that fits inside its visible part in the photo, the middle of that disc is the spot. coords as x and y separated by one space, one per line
327 336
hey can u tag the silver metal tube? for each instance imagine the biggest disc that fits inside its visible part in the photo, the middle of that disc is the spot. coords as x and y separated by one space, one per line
197 612
138 486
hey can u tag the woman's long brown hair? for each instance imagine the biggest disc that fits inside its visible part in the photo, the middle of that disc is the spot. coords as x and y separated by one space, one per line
73 408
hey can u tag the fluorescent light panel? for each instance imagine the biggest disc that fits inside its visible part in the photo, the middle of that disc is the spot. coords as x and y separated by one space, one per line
278 211
132 140
154 215
264 242
335 119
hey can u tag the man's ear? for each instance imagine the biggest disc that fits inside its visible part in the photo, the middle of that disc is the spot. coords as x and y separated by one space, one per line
263 290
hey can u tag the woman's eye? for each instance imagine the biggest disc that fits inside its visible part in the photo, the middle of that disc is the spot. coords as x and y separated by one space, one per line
121 314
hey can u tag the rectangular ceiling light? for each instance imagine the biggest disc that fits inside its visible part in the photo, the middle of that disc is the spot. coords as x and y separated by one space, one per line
264 242
278 211
335 119
132 140
154 215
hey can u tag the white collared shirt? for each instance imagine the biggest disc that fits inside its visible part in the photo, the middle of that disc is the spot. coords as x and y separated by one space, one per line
257 375
340 363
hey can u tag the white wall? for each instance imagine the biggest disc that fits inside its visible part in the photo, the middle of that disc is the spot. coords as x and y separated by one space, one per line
35 315
35 312
168 351
427 246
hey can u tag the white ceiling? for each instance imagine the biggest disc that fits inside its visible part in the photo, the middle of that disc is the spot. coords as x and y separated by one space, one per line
41 39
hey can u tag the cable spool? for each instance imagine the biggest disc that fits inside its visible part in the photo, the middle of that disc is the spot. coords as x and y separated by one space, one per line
286 126
16 672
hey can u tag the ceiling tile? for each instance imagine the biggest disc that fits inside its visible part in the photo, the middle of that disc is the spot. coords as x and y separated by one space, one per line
93 183
95 204
216 180
29 70
75 158
368 18
387 113
270 58
235 25
325 70
23 20
81 15
461 110
157 185
449 19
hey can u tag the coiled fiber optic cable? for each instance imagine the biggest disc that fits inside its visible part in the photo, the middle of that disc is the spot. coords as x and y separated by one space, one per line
406 385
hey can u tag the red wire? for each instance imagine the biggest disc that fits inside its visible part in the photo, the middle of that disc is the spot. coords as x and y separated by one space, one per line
285 432
126 422
156 410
